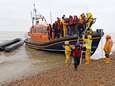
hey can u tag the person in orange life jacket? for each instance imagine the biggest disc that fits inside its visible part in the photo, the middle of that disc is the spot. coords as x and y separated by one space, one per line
75 24
71 27
107 48
67 53
49 31
76 55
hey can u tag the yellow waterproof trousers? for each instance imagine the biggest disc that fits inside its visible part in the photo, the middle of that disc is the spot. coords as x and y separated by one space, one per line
107 57
87 56
65 31
68 58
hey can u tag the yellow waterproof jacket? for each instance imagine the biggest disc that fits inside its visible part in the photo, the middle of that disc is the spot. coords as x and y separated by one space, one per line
89 17
82 19
88 43
67 48
64 27
108 45
64 24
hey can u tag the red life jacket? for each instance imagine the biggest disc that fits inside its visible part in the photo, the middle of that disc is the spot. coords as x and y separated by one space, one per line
75 20
77 53
71 21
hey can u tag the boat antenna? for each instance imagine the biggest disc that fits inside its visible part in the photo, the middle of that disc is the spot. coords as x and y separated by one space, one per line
50 16
32 18
35 11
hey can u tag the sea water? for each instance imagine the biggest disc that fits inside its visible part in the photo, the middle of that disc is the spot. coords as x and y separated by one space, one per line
25 61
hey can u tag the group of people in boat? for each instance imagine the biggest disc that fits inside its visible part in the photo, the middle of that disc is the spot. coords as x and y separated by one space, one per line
71 26
76 51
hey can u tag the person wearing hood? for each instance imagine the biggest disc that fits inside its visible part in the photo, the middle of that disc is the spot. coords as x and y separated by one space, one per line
67 53
107 48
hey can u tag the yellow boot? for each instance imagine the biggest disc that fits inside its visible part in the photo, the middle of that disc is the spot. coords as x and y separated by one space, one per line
87 62
104 59
107 60
87 56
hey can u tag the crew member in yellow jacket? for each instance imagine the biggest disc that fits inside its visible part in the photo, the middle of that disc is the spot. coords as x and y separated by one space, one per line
67 53
89 19
64 26
107 48
88 45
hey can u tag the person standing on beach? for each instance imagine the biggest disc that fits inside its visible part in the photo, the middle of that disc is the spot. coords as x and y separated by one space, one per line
107 49
76 56
88 45
67 53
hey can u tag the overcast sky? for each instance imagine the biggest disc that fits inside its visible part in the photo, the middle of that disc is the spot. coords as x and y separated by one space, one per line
15 14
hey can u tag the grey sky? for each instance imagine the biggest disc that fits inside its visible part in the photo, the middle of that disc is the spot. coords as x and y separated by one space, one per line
15 14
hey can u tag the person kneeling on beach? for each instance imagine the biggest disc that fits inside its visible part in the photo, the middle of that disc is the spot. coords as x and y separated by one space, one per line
107 49
67 53
76 56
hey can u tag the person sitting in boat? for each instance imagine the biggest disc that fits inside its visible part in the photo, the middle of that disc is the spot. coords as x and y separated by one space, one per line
49 31
107 48
71 27
55 30
82 24
63 20
75 24
89 20
67 25
67 53
59 27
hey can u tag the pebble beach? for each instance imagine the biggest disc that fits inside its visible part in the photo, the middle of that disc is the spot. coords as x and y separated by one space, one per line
95 74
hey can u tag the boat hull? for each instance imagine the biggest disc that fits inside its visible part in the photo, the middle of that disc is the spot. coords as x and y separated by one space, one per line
57 45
